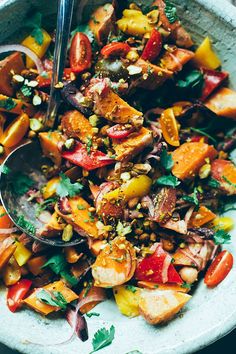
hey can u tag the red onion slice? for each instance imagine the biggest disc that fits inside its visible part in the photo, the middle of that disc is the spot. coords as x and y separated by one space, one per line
8 231
25 50
164 272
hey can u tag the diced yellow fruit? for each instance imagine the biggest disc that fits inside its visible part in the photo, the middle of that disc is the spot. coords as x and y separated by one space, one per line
127 300
50 189
38 49
15 132
11 272
22 254
158 306
205 56
223 223
134 23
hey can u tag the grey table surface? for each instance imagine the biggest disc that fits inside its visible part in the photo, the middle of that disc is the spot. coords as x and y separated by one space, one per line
226 344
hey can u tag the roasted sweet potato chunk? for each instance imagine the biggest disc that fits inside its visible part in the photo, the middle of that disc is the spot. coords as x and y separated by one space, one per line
133 145
75 125
11 64
176 59
223 103
190 157
224 172
49 143
102 22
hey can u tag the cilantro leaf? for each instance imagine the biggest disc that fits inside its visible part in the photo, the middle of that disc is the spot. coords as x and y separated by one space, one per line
191 82
4 169
8 104
26 90
66 188
169 180
166 160
37 34
57 263
54 298
171 12
221 237
213 183
193 198
25 224
21 183
102 338
69 278
123 230
131 288
90 314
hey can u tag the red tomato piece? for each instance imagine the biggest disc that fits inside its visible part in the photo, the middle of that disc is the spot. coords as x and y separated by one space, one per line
87 160
16 293
115 49
80 53
153 46
151 268
213 79
119 131
219 269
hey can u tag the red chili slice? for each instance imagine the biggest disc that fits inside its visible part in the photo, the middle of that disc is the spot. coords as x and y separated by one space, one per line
153 46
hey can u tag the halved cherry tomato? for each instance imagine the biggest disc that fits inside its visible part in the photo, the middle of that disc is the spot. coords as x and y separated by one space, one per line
17 293
115 49
119 131
153 46
80 53
213 79
219 269
169 127
151 268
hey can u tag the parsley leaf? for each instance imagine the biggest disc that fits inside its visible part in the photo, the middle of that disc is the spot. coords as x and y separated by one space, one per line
54 298
191 82
166 160
8 104
221 237
213 183
58 265
35 22
123 230
90 314
193 198
131 288
37 34
169 180
21 183
102 338
26 90
4 169
171 12
25 224
66 188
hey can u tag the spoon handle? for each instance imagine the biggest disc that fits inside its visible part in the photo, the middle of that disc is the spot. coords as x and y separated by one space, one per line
64 16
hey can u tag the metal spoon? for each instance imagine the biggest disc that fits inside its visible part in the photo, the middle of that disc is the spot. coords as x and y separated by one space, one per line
28 159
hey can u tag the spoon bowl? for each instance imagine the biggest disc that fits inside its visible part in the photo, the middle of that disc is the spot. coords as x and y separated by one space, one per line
27 160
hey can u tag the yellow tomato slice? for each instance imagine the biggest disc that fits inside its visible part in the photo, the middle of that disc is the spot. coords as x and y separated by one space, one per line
169 127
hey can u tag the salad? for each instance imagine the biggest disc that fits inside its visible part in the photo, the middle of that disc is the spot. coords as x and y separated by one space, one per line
139 167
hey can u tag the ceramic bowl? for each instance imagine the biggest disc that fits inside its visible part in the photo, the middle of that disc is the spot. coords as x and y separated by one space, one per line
211 313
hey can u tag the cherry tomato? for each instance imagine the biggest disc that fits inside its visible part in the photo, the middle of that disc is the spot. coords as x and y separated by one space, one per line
151 268
213 79
169 127
219 269
115 49
153 46
16 293
119 131
80 53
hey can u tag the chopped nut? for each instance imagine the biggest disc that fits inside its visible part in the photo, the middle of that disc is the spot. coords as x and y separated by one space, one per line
35 124
125 176
205 171
132 56
37 100
67 233
134 70
69 144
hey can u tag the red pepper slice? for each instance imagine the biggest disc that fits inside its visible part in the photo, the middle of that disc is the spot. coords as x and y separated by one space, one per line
115 49
213 79
119 131
80 53
151 268
153 46
87 160
16 293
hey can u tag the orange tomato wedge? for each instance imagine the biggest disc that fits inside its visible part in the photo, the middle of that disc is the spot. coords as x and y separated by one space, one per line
15 132
169 127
